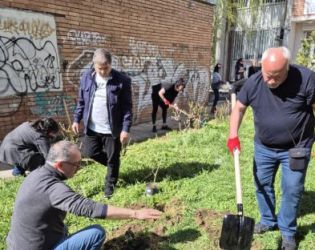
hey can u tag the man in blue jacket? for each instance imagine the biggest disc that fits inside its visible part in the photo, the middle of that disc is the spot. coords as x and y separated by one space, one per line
105 104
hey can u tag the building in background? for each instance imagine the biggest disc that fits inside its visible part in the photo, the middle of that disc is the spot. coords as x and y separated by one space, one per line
274 23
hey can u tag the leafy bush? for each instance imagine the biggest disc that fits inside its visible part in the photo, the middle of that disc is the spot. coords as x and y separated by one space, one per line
306 56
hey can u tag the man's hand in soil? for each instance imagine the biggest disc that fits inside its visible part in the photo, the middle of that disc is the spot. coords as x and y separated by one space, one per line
147 213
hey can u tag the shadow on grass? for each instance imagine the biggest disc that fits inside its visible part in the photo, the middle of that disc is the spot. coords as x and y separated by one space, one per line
150 240
302 231
307 205
175 171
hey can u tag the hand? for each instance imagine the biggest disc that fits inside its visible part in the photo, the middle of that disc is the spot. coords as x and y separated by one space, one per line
166 102
175 106
124 136
75 128
233 143
147 213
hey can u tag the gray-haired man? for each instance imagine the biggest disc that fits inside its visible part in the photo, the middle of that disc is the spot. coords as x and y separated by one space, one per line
43 201
105 104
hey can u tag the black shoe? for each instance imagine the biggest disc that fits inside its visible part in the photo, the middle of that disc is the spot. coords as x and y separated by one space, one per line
165 127
109 191
288 243
261 228
154 129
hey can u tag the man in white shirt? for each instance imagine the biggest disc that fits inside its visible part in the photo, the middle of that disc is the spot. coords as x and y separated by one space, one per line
105 104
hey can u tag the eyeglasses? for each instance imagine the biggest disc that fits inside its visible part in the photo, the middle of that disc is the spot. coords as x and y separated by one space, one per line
75 164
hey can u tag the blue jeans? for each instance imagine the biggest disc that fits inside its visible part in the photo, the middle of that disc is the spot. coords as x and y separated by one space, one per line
266 164
89 238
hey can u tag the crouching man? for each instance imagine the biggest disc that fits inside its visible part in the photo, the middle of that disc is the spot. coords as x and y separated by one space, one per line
43 201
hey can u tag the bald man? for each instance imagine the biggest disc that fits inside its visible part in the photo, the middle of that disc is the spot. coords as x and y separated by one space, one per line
281 96
43 201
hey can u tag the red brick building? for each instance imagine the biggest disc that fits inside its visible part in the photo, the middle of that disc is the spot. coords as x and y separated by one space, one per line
46 45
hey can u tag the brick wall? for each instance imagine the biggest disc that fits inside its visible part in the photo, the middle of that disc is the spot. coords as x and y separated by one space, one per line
298 8
46 45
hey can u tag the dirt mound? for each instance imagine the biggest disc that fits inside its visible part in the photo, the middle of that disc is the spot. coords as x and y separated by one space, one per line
142 236
134 237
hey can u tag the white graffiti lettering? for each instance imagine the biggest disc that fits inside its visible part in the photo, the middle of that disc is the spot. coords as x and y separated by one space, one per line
85 38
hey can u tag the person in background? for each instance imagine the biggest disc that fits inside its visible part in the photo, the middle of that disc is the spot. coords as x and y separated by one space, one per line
164 97
281 96
239 69
215 85
105 105
253 69
26 147
43 201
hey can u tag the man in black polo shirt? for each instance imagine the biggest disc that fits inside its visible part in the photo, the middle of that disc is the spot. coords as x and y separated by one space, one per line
164 97
281 96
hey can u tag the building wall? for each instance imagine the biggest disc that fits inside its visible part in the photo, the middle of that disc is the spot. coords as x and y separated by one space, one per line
302 21
298 8
46 45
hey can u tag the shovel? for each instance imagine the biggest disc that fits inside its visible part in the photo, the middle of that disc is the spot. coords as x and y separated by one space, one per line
237 230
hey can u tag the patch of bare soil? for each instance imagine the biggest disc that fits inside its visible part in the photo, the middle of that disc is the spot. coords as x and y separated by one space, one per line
132 237
211 221
142 236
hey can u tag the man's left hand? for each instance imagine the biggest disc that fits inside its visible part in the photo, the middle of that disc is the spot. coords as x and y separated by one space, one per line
124 137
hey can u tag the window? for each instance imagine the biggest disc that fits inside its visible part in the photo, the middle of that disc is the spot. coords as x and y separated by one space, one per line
272 1
309 7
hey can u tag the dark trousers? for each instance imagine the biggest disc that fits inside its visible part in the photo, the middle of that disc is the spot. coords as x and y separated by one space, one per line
104 149
31 161
156 102
216 97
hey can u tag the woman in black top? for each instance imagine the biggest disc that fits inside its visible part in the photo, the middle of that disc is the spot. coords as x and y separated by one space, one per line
163 98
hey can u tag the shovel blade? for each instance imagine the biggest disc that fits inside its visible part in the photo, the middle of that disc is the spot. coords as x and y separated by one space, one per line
237 232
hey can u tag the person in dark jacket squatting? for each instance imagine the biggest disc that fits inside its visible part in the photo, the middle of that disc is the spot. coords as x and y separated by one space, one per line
43 201
163 97
105 105
26 147
281 96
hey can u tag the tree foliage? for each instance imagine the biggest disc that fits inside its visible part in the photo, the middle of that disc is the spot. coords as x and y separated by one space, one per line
226 13
306 56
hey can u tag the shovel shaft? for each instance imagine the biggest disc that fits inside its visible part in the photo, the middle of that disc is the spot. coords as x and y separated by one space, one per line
238 184
233 100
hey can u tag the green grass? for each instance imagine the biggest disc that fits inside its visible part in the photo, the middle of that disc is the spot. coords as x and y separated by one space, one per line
195 172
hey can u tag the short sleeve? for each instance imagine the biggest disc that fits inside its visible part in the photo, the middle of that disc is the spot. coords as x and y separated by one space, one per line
244 95
310 90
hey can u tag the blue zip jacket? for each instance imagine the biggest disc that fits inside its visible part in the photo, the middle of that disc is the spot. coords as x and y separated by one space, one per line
119 101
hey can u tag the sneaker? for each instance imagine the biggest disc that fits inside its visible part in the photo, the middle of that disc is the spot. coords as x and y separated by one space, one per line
109 191
165 127
261 228
18 171
288 243
154 129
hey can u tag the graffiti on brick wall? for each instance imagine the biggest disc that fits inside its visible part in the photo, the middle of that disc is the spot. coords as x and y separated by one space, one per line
84 38
29 60
147 67
53 106
36 28
77 67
